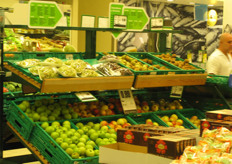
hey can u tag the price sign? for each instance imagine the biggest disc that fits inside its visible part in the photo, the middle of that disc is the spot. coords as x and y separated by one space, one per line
127 100
120 21
177 91
44 14
85 96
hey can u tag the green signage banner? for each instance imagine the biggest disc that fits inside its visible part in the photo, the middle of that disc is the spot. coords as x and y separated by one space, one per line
44 14
137 18
115 9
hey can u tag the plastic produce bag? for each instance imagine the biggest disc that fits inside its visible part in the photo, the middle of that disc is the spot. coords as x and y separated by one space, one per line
28 63
48 72
67 71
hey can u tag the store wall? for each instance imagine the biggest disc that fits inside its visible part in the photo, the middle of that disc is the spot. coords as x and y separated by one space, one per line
96 8
195 33
227 20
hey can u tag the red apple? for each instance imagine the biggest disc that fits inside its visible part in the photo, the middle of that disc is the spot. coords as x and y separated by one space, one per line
103 123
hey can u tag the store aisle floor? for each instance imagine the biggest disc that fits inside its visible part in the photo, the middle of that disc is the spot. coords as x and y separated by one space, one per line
18 152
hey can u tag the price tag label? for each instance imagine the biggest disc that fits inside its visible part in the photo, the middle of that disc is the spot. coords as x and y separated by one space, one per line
177 91
85 96
69 56
88 21
120 21
127 100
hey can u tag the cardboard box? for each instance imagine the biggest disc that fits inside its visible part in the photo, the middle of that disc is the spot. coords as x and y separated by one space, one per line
122 153
136 137
214 124
224 114
169 146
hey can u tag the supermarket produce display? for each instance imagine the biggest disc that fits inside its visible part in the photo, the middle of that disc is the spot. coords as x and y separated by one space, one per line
67 130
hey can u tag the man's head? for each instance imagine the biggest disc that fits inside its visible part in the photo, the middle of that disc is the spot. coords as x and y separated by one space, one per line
225 44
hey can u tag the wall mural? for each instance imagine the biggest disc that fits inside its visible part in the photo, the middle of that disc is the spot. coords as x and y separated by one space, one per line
195 33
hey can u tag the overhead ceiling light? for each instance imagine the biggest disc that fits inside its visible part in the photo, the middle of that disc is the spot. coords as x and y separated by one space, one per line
210 5
170 0
191 3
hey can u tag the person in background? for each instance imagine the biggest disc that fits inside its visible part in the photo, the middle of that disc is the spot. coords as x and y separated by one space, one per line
220 61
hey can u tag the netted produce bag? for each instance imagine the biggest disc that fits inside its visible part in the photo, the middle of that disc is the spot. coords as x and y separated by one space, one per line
28 63
67 71
48 72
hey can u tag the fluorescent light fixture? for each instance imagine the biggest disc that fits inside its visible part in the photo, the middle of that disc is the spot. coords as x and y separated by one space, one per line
170 0
191 3
210 5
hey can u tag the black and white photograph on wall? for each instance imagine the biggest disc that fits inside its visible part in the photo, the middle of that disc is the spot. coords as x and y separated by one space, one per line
195 34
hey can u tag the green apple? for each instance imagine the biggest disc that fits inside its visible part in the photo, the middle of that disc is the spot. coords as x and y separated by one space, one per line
111 140
51 107
114 136
74 115
82 150
92 143
75 155
85 129
65 129
107 135
26 103
89 152
74 139
38 103
80 144
90 124
69 133
82 140
59 140
22 107
85 136
36 117
96 126
69 151
77 134
64 145
56 124
111 131
101 134
43 118
68 140
51 118
79 125
72 146
80 131
44 101
50 129
63 135
67 126
91 131
104 129
44 125
54 135
41 109
98 140
68 116
96 152
88 147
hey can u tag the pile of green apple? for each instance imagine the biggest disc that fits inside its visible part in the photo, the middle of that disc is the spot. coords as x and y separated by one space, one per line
92 109
173 121
76 143
47 110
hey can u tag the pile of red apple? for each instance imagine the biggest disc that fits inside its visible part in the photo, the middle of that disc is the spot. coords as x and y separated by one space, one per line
92 109
119 123
144 106
173 121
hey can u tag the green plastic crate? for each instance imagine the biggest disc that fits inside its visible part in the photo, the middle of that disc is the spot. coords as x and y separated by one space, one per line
171 68
19 120
13 56
142 117
51 150
187 124
188 113
135 72
216 79
181 71
45 55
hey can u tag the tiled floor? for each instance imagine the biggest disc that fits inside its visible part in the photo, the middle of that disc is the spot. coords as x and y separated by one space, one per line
18 152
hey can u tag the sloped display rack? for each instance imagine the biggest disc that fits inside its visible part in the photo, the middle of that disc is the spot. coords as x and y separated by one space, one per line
16 116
